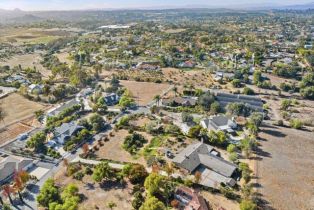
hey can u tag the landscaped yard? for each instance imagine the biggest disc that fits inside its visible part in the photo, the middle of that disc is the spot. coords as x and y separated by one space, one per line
113 148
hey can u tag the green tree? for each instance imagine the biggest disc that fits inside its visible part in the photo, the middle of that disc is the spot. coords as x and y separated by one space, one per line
157 99
257 77
195 131
97 122
236 83
152 203
247 205
102 171
37 142
154 184
248 91
48 194
215 107
138 200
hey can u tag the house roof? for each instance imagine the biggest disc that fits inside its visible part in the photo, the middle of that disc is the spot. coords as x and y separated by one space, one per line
11 164
199 154
66 130
64 106
190 198
218 122
111 98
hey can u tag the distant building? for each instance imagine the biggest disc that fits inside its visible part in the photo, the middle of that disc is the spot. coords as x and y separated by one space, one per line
189 199
203 158
187 64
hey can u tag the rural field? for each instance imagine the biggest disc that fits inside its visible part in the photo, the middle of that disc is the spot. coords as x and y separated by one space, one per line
96 196
197 78
27 61
286 168
17 108
30 35
144 92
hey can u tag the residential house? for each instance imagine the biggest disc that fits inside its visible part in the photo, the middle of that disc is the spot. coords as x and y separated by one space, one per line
202 158
187 64
180 101
189 199
10 164
219 123
111 99
35 88
220 75
62 107
65 131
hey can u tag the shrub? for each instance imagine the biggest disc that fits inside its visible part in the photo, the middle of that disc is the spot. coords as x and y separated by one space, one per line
296 123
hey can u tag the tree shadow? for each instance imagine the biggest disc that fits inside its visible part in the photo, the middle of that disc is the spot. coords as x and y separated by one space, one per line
89 186
258 151
274 133
108 185
28 196
33 188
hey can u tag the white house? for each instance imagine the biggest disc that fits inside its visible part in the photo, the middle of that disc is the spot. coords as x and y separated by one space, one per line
219 123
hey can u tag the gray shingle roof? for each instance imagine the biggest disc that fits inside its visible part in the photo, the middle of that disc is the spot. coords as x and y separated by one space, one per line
66 130
199 154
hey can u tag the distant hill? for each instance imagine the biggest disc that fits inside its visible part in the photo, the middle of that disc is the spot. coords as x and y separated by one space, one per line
299 6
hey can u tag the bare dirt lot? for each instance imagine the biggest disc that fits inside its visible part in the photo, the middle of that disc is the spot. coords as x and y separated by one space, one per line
16 108
286 168
216 201
98 197
144 92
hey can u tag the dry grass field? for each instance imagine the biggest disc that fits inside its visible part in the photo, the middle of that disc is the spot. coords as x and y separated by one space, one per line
17 108
30 35
144 92
196 78
98 197
27 61
286 168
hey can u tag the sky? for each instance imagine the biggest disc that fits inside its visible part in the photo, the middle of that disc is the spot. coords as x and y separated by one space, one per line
103 4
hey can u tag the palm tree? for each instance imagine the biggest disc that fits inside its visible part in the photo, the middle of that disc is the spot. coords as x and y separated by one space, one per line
7 190
111 205
1 201
157 99
175 90
2 114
